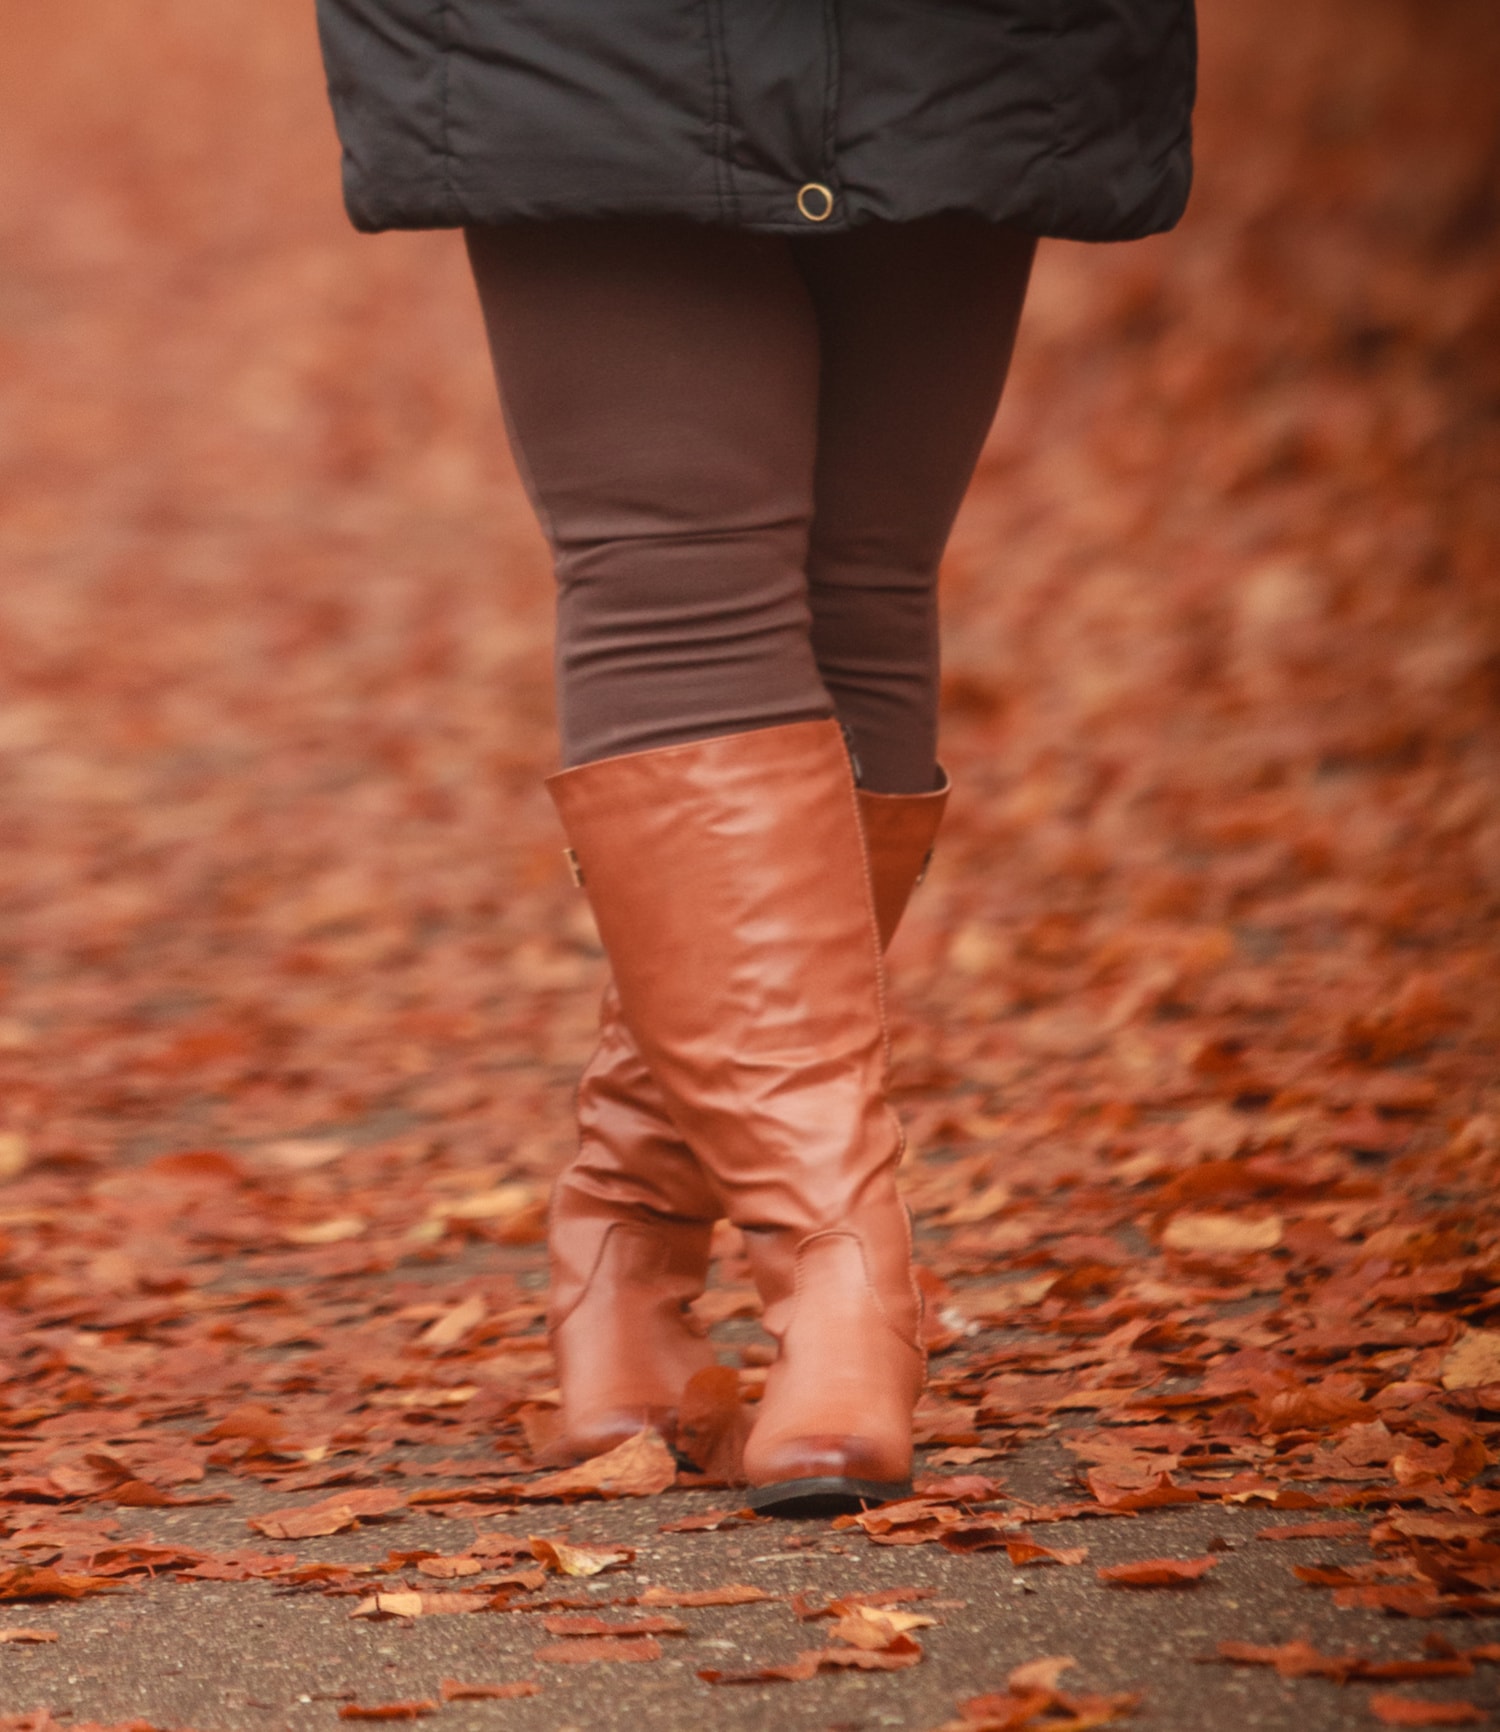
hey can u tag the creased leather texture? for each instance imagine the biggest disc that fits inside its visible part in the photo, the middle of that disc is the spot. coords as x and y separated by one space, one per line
623 1339
729 881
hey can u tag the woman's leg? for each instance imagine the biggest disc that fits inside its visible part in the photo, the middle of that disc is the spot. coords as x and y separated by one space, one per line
916 322
660 383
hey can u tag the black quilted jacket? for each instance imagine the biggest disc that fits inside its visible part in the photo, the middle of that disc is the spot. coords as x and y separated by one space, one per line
1065 117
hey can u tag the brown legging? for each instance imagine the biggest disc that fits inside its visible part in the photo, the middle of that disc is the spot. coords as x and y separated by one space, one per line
747 453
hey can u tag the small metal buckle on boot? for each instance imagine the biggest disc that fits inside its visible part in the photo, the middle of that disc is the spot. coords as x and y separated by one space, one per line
574 867
926 862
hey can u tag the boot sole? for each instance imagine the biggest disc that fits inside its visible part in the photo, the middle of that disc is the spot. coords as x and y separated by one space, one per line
824 1497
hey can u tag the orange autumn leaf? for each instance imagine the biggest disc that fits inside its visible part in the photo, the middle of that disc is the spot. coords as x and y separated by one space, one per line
567 1624
451 1690
1393 1710
735 1594
579 1560
596 1650
1158 1573
642 1466
410 1710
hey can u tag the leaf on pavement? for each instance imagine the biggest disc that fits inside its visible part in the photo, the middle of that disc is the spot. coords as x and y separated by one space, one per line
451 1690
877 1628
712 1520
1042 1674
579 1560
1022 1552
41 1582
589 1650
1221 1235
735 1594
19 1633
712 1424
1158 1573
389 1710
642 1466
564 1625
1472 1361
334 1515
1393 1710
902 1652
1291 1659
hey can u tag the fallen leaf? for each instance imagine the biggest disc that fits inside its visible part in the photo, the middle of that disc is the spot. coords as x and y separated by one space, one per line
1329 1530
579 1560
735 1594
901 1653
1040 1674
561 1625
334 1231
451 1690
1221 1235
590 1650
1472 1361
1158 1573
1392 1710
876 1628
19 1633
712 1423
449 1329
388 1710
711 1521
642 1466
333 1515
1022 1552
1291 1660
40 1582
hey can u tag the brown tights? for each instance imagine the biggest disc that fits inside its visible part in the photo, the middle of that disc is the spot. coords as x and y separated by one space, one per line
747 453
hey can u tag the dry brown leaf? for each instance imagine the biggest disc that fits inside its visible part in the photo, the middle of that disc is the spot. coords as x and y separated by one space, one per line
1291 1660
334 1231
1158 1573
876 1628
1041 1674
642 1466
902 1652
41 1582
564 1625
1472 1361
1221 1235
449 1329
451 1690
598 1650
712 1424
712 1521
412 1710
579 1560
1023 1551
19 1633
735 1594
333 1515
1393 1710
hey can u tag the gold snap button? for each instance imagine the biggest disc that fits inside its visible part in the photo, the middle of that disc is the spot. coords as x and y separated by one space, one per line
815 202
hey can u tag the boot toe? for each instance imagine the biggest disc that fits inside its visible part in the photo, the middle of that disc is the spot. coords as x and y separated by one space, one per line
599 1433
826 1456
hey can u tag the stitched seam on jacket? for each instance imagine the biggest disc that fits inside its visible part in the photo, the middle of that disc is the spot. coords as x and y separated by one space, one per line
719 109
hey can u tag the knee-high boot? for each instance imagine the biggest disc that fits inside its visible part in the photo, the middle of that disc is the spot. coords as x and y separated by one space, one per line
632 1215
730 884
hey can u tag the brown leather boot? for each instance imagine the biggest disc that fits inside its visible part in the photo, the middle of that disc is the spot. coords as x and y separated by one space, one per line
628 1242
632 1216
729 881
